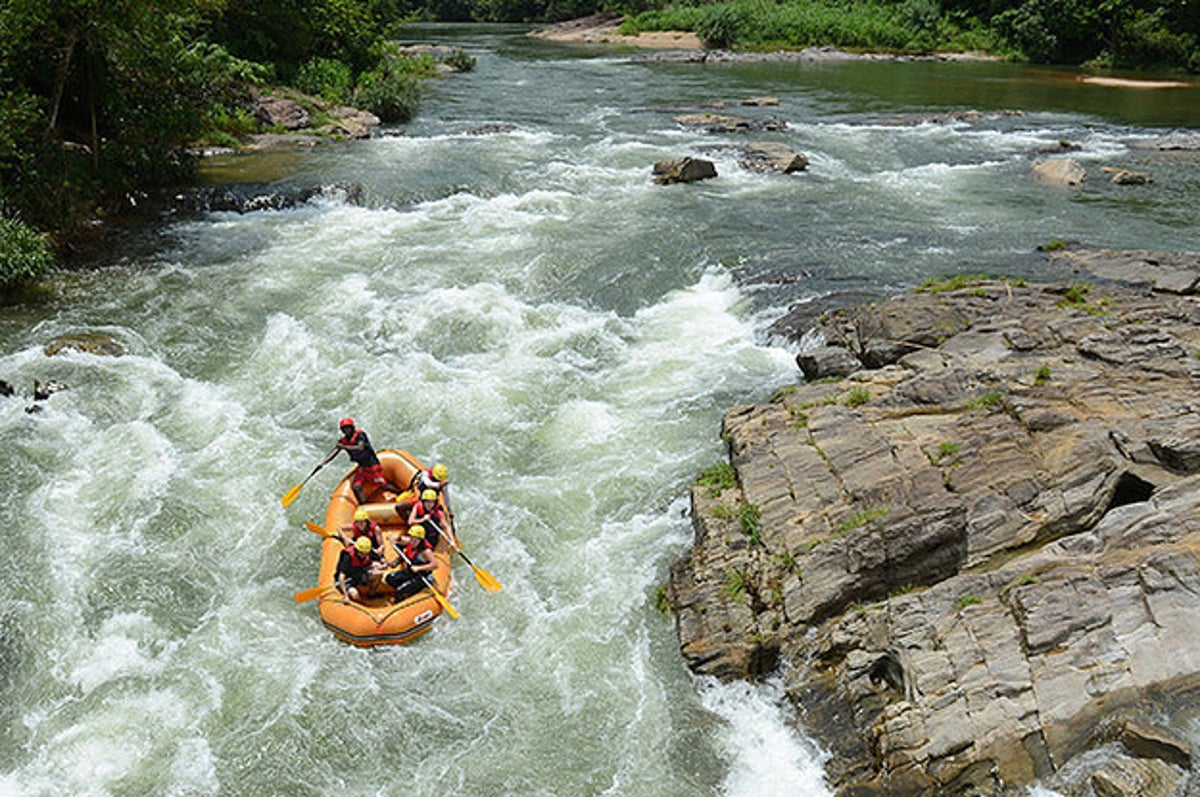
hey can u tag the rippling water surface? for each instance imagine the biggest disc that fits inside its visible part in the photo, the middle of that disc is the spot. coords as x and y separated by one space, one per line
527 307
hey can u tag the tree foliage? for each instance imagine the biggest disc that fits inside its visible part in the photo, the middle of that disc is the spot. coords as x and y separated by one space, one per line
101 96
24 253
1162 34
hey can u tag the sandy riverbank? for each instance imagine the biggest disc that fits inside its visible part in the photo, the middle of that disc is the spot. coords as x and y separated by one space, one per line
1130 83
605 29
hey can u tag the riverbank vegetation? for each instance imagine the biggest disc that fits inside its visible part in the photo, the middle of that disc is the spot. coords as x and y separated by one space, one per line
102 97
1126 34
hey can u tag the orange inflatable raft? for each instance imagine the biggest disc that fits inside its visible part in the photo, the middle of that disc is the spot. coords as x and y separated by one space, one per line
378 619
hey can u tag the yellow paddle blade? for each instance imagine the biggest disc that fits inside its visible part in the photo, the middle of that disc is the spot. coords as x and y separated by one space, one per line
310 593
291 495
315 529
445 603
486 580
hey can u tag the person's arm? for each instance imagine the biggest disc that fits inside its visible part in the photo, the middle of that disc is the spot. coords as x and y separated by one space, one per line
378 561
427 563
340 578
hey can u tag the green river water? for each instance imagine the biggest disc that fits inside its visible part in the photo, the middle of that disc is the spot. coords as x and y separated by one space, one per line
528 308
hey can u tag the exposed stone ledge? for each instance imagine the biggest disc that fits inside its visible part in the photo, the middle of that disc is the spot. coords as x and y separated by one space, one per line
973 552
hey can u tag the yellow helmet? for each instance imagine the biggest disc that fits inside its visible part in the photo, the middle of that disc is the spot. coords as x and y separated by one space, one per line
429 495
417 531
441 472
363 544
362 514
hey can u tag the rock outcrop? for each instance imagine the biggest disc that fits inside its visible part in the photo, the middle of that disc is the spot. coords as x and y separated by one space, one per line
1059 171
772 156
683 170
977 556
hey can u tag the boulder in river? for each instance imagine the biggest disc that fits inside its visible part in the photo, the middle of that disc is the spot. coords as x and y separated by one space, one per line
771 156
683 170
1059 171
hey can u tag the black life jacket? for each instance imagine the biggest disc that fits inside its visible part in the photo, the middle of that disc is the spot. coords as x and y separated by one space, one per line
365 458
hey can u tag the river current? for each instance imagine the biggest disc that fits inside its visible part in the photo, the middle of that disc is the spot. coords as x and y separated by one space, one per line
527 307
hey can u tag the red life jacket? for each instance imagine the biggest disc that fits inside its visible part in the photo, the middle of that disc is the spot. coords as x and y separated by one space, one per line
372 532
435 514
358 558
414 548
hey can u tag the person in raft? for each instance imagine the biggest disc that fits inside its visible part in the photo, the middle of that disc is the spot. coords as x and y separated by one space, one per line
427 513
436 478
357 446
356 569
362 526
416 552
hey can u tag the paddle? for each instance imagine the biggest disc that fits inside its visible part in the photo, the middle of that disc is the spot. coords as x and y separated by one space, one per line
485 579
445 603
305 595
318 530
293 493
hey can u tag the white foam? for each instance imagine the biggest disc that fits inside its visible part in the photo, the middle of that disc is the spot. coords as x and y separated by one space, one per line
767 757
119 653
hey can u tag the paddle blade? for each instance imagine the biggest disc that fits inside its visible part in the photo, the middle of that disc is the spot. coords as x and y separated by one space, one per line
291 495
445 603
318 530
308 594
486 580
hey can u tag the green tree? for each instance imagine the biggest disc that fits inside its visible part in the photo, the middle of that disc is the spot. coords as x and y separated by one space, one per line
104 93
289 33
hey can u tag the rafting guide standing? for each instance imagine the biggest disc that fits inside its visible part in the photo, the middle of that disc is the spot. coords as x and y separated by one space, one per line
357 445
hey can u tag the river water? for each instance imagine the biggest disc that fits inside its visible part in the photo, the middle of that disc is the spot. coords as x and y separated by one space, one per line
528 308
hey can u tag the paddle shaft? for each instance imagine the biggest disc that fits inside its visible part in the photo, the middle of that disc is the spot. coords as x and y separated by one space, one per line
485 579
291 494
429 583
312 592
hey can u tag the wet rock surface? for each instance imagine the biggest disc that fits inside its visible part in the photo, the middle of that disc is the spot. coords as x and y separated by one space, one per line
971 553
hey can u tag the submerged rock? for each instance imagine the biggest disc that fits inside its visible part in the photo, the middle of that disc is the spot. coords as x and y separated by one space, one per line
974 551
88 342
721 123
249 197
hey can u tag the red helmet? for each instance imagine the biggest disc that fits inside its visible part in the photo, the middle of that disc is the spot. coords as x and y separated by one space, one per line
344 422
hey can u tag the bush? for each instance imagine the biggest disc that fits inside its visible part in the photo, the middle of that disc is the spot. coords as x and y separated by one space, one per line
718 27
24 253
922 18
389 93
327 78
1027 30
1147 41
460 61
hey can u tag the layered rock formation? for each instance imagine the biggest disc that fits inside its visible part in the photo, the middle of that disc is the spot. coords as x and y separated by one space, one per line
976 557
